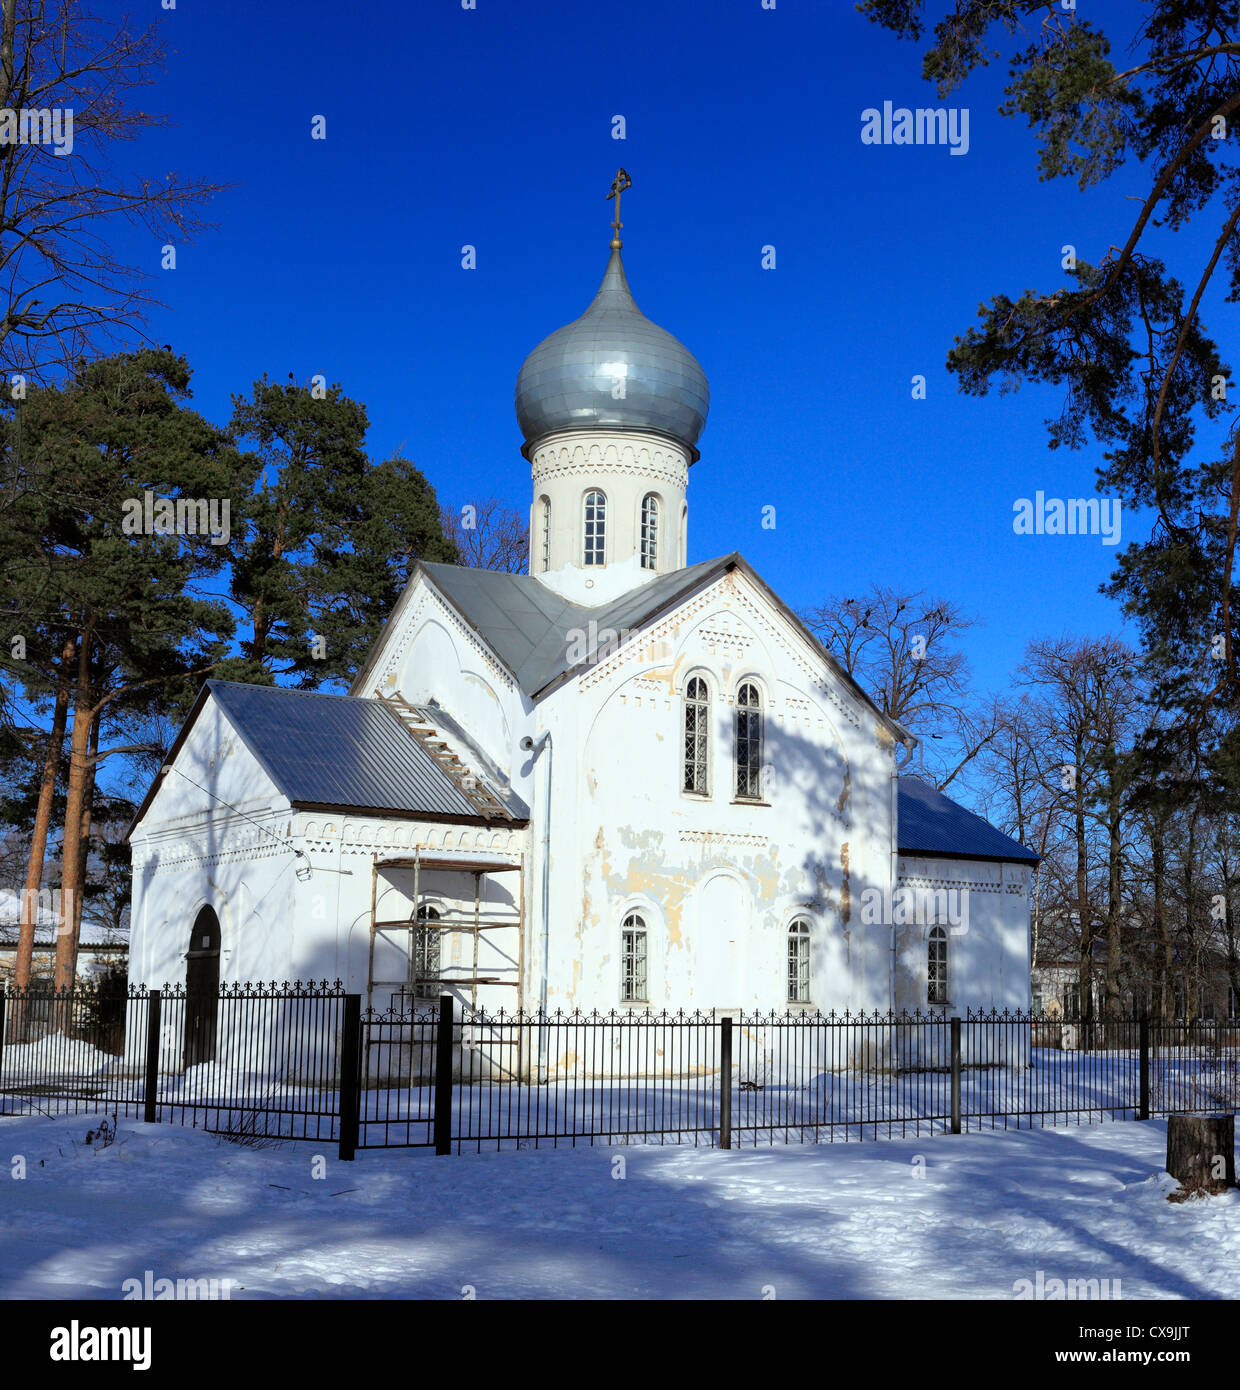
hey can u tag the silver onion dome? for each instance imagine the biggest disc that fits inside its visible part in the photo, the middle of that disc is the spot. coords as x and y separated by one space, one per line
612 369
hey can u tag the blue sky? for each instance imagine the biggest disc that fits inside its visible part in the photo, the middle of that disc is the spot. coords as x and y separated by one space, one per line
493 127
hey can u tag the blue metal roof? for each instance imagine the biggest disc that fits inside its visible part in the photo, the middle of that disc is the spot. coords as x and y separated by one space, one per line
931 823
341 750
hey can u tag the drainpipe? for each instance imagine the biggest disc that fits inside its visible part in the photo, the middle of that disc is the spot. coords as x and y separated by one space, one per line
544 953
896 769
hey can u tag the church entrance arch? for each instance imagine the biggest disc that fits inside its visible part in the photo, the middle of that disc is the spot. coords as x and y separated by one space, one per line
202 988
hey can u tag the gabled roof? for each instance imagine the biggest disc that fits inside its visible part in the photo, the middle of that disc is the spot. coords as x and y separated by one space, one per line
530 628
337 751
931 823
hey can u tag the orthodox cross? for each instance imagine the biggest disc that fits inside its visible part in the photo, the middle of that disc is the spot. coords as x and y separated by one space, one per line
618 185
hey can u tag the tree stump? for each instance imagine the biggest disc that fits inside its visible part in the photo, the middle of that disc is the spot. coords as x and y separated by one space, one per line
1201 1151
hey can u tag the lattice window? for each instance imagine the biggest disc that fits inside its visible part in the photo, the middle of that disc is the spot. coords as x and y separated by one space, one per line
650 532
936 967
798 962
595 528
697 737
633 977
749 742
426 984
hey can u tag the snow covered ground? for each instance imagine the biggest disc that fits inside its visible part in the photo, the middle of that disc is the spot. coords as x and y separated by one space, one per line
963 1217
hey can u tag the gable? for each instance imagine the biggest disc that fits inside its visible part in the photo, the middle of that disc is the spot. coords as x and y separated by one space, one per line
538 636
209 770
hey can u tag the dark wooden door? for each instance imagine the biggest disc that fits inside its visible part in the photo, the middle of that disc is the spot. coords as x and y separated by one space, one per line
202 988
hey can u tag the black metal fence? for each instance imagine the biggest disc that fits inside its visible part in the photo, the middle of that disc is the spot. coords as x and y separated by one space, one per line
305 1062
253 1060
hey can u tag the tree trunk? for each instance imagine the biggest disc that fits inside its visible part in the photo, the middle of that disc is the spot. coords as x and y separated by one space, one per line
71 854
1161 927
1115 906
43 821
88 793
1201 1151
1084 919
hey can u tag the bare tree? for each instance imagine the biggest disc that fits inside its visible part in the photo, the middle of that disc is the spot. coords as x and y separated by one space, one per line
901 648
1087 718
488 535
67 85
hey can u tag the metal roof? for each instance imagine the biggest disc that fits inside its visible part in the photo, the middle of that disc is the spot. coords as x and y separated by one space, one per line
531 628
931 823
569 380
341 750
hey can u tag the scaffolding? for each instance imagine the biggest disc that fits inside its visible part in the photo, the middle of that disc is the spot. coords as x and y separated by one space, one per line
474 924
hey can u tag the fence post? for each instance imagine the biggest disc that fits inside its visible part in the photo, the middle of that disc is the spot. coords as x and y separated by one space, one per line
350 1075
443 1077
725 1083
955 1075
1143 1112
150 1087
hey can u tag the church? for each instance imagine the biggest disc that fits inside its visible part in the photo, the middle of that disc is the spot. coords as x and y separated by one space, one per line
620 781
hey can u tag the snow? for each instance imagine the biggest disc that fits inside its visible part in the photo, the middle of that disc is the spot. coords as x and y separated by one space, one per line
827 1221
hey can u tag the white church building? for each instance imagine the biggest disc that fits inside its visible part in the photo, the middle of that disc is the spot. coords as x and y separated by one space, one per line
620 781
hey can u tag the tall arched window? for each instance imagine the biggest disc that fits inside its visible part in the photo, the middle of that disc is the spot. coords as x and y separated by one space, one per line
426 983
697 737
595 528
544 535
936 967
633 985
749 742
798 962
684 533
650 532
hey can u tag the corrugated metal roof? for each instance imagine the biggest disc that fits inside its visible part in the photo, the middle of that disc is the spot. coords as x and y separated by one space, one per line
339 750
529 627
931 823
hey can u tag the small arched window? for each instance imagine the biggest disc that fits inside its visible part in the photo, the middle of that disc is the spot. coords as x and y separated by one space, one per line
748 743
595 534
633 977
426 955
936 967
650 532
684 534
798 962
697 738
544 535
